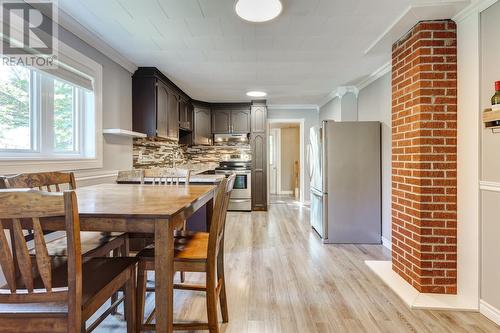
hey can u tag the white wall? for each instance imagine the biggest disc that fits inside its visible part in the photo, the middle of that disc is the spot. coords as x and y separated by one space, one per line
331 110
349 107
490 161
344 108
117 112
311 118
374 104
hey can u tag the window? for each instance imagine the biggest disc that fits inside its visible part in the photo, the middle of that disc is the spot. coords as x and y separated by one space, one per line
45 116
16 120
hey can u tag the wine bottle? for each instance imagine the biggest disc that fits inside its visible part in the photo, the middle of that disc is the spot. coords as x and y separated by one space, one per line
495 102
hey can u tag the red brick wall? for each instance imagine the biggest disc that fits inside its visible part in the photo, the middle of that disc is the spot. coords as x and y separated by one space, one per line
424 168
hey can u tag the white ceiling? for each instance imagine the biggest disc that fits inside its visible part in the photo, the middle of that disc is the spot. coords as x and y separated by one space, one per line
201 45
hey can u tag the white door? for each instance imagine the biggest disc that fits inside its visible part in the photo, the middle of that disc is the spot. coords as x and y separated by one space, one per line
274 159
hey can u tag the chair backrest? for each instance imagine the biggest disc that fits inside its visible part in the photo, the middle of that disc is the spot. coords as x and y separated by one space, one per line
172 176
22 209
218 221
44 181
131 176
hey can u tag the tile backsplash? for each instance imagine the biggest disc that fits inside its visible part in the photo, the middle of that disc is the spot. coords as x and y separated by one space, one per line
159 153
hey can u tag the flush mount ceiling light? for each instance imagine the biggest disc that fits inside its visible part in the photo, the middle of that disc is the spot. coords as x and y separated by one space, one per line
256 94
258 10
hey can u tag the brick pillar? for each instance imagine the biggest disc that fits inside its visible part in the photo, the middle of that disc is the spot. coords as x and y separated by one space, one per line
424 168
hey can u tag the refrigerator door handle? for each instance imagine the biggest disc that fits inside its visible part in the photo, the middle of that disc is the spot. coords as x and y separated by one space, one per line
308 157
316 192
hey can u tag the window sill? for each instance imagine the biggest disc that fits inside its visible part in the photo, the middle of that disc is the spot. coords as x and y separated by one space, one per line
22 165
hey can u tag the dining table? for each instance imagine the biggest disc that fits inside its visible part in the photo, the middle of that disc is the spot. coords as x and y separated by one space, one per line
157 210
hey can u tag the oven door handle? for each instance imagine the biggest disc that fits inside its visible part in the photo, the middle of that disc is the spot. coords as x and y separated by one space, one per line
239 200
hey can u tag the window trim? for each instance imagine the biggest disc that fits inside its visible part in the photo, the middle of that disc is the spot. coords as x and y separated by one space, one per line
16 162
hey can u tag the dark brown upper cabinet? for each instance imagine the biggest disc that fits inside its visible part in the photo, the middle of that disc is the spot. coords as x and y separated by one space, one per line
162 106
225 121
202 130
240 121
155 104
221 121
185 115
259 118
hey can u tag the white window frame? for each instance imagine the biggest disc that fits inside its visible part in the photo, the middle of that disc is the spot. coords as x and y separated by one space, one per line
92 156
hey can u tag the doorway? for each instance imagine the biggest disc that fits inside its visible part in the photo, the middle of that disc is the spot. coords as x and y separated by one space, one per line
285 160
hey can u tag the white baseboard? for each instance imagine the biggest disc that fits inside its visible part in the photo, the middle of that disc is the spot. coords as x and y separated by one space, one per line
286 192
489 312
387 243
415 299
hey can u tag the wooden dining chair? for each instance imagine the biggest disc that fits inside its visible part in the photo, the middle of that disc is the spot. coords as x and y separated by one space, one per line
194 252
170 176
134 176
54 294
93 244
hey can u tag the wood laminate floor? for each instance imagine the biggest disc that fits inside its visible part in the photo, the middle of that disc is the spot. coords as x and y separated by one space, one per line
280 278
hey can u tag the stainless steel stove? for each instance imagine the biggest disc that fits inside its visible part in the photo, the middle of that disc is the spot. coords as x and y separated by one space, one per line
241 197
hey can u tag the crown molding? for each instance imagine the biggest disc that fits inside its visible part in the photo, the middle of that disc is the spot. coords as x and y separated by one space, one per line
293 107
339 93
411 16
69 23
475 7
384 69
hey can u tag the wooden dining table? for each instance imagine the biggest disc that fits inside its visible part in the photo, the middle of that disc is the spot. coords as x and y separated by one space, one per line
157 210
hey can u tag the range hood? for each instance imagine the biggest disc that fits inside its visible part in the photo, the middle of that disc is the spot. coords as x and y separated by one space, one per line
230 138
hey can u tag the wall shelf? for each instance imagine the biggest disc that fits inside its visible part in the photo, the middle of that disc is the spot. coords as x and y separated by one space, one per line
123 132
491 120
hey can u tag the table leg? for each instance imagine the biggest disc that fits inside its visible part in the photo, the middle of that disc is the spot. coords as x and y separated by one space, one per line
209 213
164 275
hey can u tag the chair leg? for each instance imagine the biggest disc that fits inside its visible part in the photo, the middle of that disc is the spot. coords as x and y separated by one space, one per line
130 302
125 248
213 322
222 295
140 296
182 274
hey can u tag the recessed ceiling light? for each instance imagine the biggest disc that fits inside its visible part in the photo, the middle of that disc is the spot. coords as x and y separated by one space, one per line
256 94
258 10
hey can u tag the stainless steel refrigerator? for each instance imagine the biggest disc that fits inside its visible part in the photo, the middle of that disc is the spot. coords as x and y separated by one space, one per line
345 174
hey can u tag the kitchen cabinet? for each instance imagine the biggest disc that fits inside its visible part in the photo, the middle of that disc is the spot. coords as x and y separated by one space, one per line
162 105
155 104
240 121
185 115
226 121
202 129
259 119
173 117
258 143
221 121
